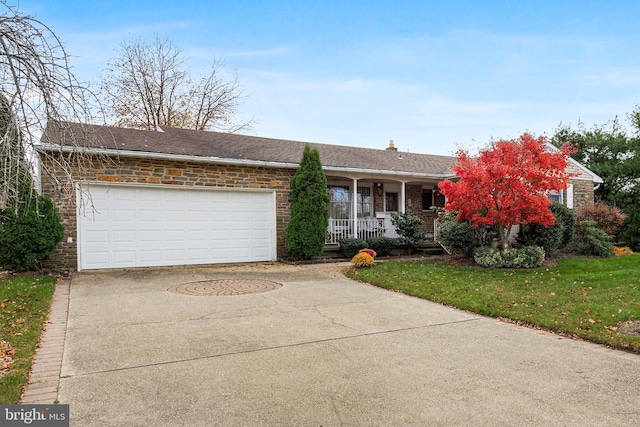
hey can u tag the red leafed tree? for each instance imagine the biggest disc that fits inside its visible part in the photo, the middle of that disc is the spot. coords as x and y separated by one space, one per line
508 184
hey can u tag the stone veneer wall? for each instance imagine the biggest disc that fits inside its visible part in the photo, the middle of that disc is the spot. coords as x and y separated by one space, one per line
582 194
166 172
413 195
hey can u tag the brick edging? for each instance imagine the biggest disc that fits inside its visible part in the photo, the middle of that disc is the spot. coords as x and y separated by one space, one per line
44 378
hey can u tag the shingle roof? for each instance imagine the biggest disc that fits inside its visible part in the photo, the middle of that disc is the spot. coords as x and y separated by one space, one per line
206 144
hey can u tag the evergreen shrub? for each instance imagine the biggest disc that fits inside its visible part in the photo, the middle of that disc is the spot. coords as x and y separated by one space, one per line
409 228
590 240
306 233
28 236
382 245
526 257
457 237
550 238
350 247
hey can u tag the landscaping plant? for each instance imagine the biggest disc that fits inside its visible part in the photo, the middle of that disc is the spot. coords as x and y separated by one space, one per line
409 228
28 236
612 151
590 240
307 230
608 218
362 259
507 184
553 237
382 245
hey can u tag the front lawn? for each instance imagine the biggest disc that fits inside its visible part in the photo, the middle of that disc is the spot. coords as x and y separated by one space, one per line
24 305
583 297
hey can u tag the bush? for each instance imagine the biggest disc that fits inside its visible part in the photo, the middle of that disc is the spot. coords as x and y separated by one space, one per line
487 256
362 259
350 247
590 240
382 245
608 218
550 238
565 216
526 257
409 227
617 251
371 252
30 235
306 233
457 237
462 237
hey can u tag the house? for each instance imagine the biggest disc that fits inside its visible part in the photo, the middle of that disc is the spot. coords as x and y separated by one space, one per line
177 196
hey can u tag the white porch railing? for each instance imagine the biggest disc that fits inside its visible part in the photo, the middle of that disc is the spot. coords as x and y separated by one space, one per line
367 228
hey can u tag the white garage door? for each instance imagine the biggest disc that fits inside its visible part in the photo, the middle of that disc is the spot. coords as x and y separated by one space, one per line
158 226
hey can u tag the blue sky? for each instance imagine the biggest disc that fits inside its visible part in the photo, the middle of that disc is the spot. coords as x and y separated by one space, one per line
433 76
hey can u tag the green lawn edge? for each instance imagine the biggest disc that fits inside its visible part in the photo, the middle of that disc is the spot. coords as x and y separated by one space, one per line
581 297
25 301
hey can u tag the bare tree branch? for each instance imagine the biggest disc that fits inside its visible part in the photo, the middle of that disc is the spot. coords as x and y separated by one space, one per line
147 86
37 81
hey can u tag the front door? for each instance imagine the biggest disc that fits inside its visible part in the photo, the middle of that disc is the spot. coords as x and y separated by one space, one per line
391 202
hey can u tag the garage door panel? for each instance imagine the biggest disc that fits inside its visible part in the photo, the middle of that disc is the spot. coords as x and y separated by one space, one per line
126 258
154 226
150 236
124 215
124 236
98 258
174 196
98 237
126 195
149 255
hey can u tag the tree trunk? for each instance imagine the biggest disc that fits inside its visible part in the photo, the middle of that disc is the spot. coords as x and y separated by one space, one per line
505 233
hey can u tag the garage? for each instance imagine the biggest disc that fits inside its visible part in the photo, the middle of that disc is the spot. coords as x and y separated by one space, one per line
148 226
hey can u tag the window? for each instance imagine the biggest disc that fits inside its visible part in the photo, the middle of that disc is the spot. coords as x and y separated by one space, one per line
364 202
560 197
555 196
427 199
340 206
339 202
391 202
432 198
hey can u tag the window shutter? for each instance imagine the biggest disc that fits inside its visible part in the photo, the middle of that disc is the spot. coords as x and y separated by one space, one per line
570 196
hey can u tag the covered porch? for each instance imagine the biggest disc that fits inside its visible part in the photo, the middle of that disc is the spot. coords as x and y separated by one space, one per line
362 206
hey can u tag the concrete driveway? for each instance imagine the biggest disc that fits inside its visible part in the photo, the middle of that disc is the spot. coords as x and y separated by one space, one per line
320 350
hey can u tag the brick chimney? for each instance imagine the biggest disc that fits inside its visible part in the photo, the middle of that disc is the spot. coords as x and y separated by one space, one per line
391 147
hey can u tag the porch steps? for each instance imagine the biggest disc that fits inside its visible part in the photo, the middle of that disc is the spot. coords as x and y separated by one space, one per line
432 248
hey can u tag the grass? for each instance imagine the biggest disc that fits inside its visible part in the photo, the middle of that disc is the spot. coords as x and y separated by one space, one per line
580 297
24 305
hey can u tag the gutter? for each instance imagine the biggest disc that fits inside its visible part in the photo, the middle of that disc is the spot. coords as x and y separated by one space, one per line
219 160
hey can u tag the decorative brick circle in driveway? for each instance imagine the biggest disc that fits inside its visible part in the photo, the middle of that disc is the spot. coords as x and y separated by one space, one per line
224 287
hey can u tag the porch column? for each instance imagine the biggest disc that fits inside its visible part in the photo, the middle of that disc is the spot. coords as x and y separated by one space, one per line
354 215
402 197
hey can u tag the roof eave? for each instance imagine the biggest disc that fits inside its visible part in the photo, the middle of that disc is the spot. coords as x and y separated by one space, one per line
226 161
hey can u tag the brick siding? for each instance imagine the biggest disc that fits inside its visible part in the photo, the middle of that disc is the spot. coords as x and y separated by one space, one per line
582 194
175 173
